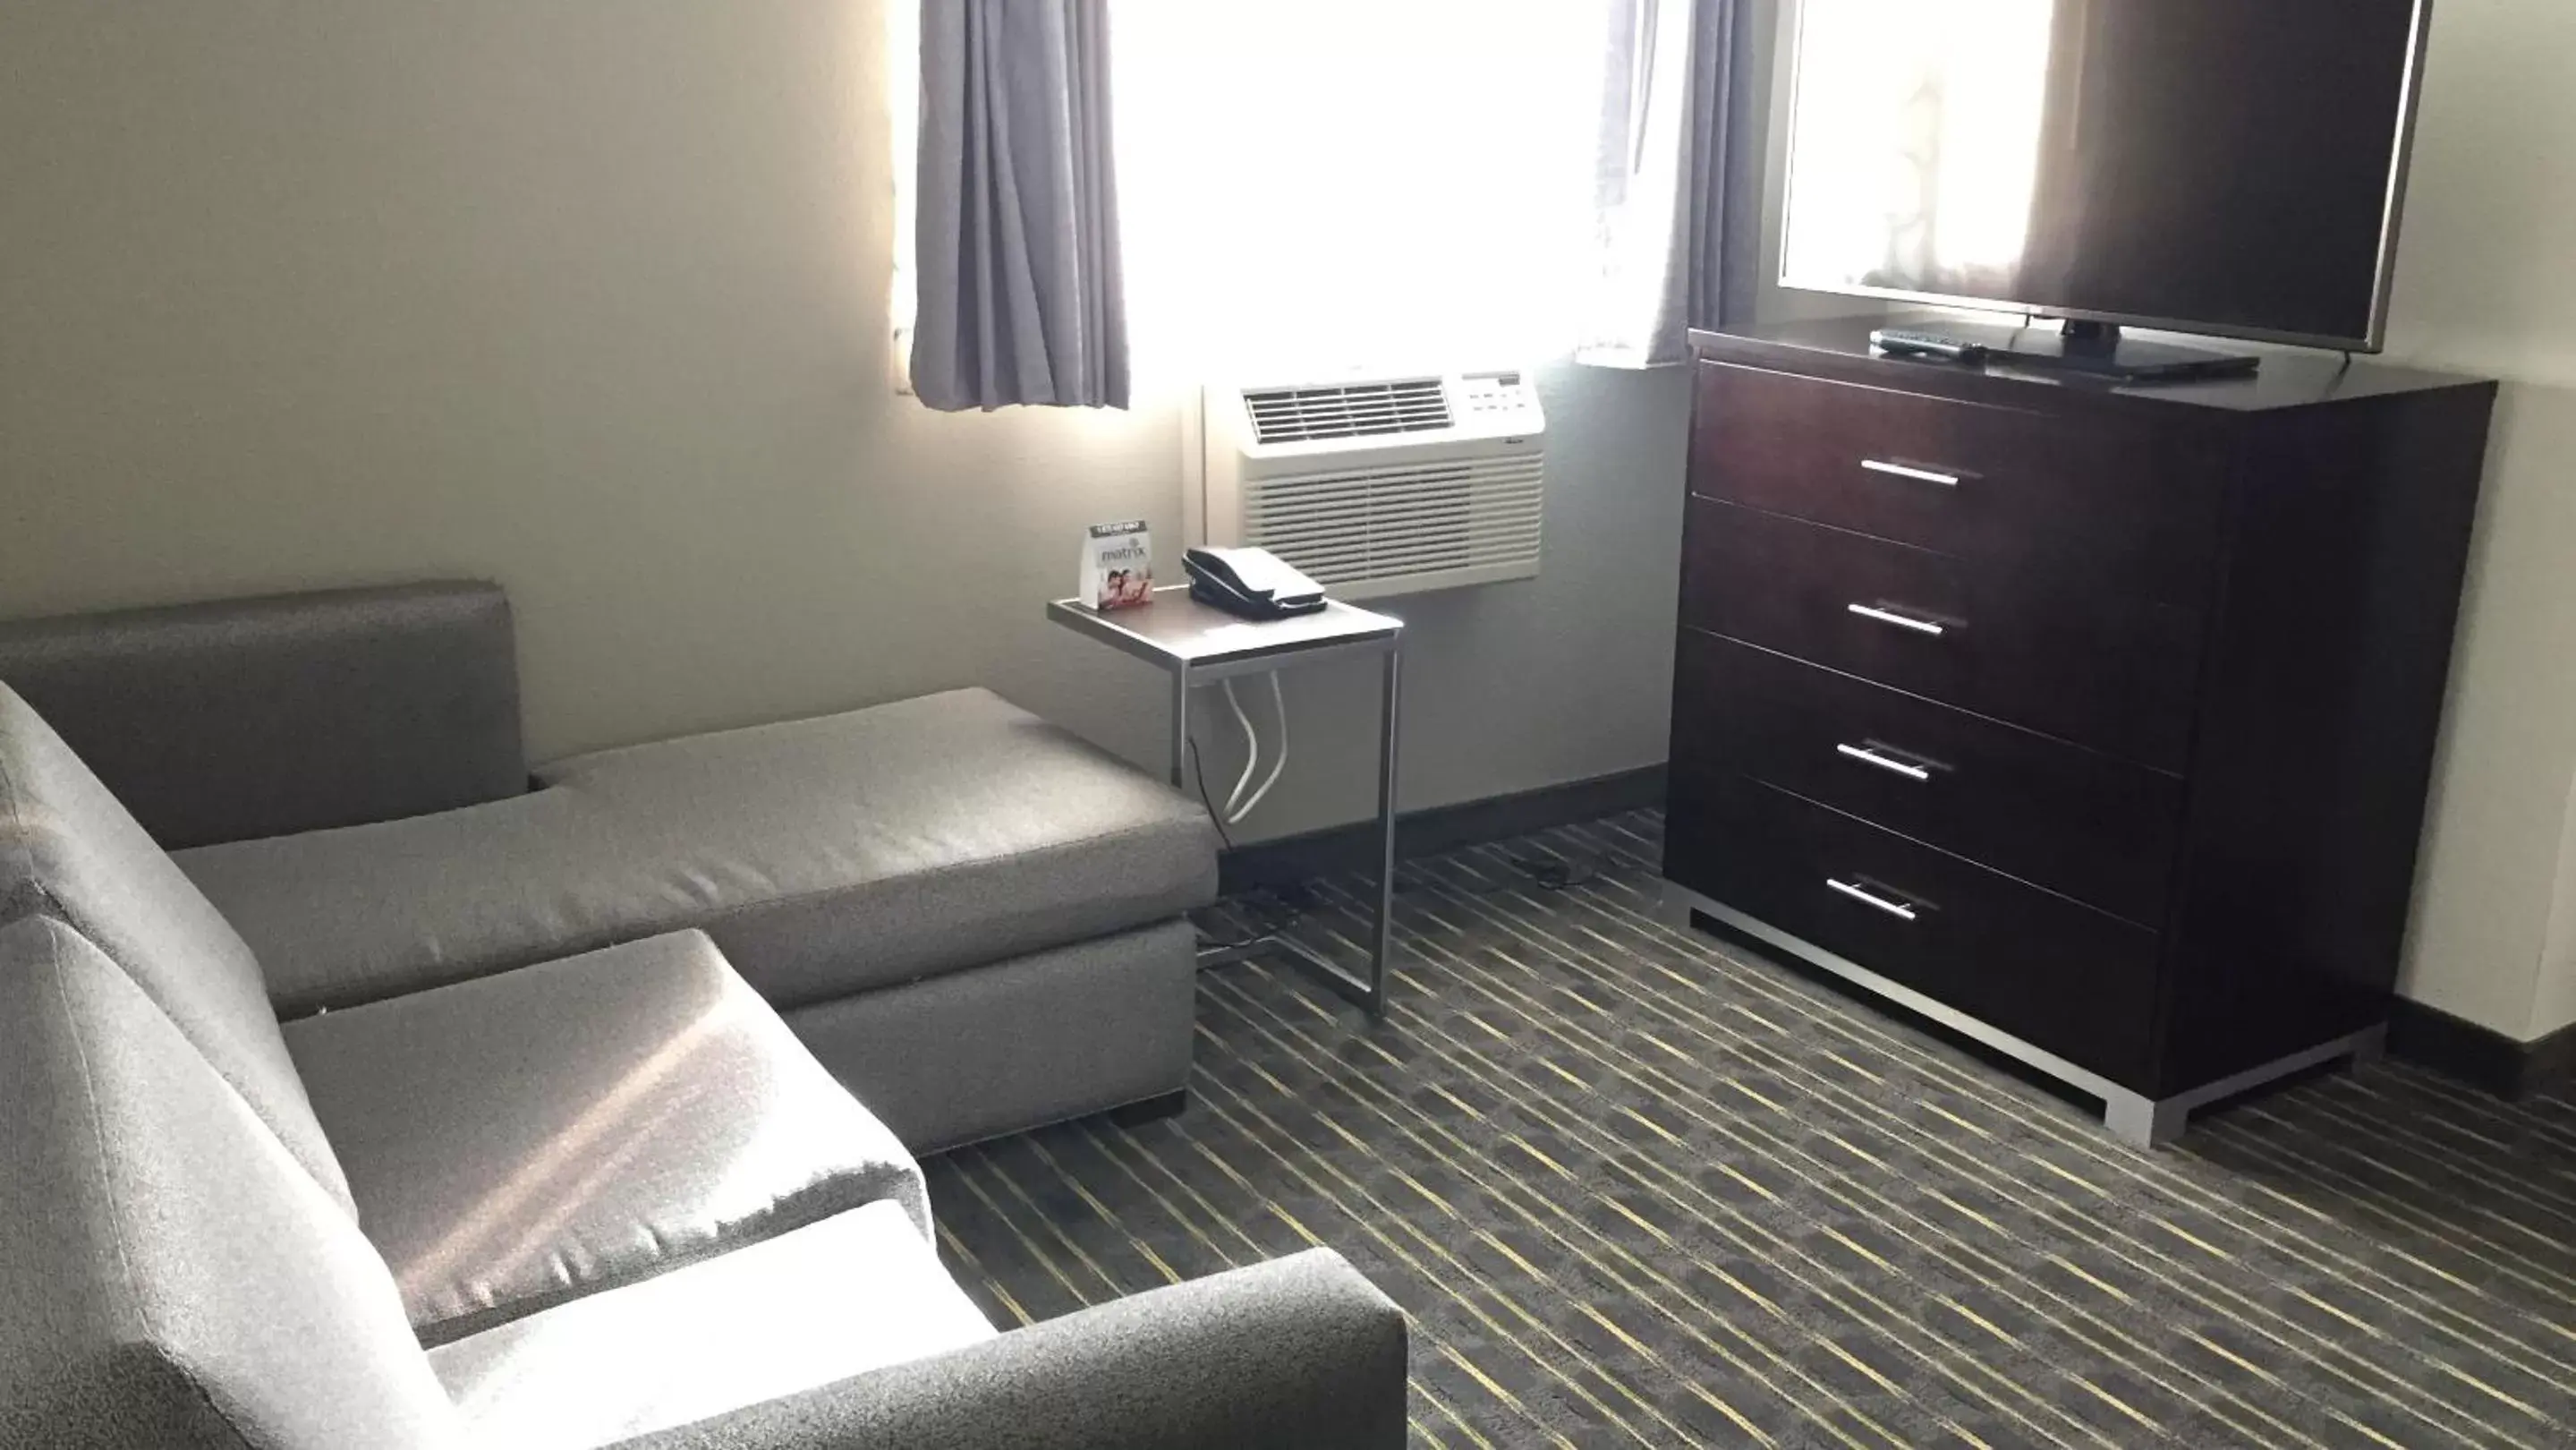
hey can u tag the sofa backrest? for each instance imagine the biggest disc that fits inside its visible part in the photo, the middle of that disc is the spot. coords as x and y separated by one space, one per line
69 851
170 1275
244 718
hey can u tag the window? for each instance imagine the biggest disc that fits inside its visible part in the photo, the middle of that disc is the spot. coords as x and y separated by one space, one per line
1355 183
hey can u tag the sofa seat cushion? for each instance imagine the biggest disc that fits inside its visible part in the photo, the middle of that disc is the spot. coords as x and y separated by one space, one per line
527 1138
826 856
856 1292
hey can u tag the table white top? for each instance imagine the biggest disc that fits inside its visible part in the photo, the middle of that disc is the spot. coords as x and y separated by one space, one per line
1178 631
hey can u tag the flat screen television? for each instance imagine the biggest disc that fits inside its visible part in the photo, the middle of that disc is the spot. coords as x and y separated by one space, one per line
2227 167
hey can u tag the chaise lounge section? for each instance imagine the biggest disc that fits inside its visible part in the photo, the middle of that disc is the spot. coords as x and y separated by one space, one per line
972 918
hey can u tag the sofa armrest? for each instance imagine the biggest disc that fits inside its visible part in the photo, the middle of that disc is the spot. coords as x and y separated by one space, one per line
1299 1352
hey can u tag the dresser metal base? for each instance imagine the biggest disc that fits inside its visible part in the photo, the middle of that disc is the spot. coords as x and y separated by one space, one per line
2130 1116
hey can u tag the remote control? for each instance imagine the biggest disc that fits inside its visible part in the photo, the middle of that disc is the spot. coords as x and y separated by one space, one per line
1910 342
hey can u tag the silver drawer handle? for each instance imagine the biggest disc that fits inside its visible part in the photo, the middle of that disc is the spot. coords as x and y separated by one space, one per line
1907 470
1867 756
1901 621
1898 909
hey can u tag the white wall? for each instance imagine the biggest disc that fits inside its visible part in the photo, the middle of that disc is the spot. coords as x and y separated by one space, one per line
589 297
2484 285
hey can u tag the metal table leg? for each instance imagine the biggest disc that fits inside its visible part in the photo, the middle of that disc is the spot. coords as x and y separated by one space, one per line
1382 941
1369 993
1180 730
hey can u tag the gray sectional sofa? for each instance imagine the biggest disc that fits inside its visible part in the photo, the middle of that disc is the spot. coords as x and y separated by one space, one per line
489 1191
974 919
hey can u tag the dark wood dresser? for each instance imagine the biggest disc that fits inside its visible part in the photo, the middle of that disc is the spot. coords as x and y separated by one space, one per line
2094 722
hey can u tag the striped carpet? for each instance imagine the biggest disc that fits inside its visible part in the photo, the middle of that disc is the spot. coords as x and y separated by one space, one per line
1638 1188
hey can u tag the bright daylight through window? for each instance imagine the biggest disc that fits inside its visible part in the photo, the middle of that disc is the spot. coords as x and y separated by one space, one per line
1355 183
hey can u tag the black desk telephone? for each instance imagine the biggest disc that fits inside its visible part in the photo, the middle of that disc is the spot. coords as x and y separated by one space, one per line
1254 583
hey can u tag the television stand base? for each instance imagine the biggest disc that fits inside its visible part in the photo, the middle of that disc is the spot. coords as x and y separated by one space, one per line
2097 350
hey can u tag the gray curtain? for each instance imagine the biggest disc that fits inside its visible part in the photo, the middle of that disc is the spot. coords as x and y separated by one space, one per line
1017 238
1661 228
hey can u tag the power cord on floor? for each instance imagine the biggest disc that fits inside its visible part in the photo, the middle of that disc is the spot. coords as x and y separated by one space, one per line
1547 873
1272 911
1555 873
1282 907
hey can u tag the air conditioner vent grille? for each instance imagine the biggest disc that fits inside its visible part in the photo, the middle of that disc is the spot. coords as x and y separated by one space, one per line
1347 410
1365 525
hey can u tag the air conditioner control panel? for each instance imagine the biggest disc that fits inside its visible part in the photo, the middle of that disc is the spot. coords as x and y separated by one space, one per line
1500 399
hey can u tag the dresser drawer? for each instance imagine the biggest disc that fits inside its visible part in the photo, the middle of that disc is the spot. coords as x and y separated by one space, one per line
2076 821
2138 504
2077 982
2056 654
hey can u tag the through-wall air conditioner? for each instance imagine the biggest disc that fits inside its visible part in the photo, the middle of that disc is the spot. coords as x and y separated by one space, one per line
1380 486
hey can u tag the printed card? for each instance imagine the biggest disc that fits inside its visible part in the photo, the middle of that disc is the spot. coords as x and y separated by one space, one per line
1117 566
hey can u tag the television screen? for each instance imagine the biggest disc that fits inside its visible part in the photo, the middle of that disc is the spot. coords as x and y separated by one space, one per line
2217 166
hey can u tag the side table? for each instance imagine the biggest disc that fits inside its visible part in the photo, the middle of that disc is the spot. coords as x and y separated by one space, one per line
1195 645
